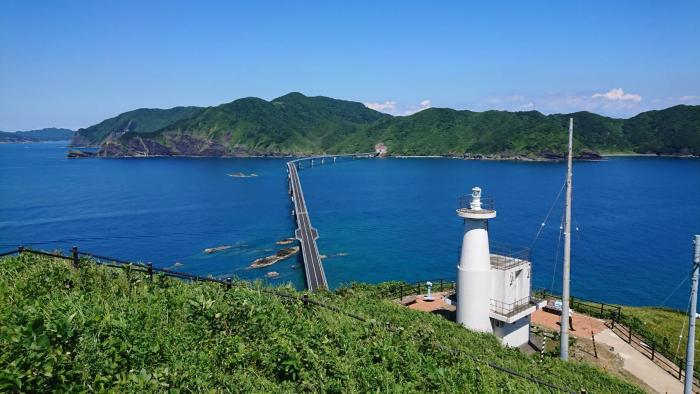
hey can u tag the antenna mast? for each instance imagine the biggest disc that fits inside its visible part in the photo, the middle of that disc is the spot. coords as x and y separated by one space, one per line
565 313
692 315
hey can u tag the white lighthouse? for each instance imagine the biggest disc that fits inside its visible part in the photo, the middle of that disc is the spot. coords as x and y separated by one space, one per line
474 269
493 290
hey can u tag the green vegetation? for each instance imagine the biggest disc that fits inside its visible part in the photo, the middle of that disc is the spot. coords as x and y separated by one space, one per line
49 134
291 123
97 328
140 120
664 324
670 131
297 124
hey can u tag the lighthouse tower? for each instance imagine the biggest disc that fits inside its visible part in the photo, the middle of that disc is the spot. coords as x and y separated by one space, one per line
474 279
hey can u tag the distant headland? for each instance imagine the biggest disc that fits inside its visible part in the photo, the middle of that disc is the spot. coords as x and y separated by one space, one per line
42 135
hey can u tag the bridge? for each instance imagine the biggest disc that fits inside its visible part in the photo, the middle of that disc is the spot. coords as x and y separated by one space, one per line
305 233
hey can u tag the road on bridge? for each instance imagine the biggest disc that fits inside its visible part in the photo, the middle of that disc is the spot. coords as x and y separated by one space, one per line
307 235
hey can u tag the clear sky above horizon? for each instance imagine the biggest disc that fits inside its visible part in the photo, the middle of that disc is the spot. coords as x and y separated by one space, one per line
75 63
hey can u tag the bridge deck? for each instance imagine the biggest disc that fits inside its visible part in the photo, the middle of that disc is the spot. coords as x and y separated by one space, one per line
307 235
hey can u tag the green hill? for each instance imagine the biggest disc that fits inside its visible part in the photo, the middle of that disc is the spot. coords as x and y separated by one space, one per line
675 130
140 120
48 134
291 124
97 328
295 124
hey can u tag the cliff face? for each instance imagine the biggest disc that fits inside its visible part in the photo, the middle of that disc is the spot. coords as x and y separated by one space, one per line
179 145
144 120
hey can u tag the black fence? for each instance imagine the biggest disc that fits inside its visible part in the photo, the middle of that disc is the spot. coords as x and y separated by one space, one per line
633 331
403 289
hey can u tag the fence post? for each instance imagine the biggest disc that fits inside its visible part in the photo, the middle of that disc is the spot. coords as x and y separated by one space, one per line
680 369
653 350
595 350
629 335
572 300
76 259
305 300
441 289
601 308
150 272
401 300
20 250
228 283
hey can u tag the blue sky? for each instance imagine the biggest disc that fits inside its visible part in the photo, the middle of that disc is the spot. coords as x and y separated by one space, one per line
75 63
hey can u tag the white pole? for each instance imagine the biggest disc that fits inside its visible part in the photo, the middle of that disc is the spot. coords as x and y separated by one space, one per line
564 336
690 349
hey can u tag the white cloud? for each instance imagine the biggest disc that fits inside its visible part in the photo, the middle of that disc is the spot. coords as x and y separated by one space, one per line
387 106
688 98
618 94
393 108
527 106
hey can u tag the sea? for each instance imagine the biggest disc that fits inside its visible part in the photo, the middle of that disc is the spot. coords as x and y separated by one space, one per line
379 220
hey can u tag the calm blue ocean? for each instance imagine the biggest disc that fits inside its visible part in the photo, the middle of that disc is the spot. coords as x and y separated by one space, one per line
378 220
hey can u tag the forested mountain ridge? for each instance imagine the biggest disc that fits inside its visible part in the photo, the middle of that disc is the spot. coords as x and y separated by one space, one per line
47 134
295 124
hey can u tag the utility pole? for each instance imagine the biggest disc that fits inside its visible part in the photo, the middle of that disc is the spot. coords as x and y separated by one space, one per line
690 349
564 325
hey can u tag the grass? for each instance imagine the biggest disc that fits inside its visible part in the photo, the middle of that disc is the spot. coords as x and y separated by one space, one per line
665 324
97 328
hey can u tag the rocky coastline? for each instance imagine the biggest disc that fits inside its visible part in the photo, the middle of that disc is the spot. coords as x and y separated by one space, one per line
188 146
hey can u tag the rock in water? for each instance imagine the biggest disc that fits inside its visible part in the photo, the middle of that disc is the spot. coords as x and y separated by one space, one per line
216 249
275 258
272 274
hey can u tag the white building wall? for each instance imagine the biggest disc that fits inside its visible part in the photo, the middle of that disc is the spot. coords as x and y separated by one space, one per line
513 334
474 281
511 285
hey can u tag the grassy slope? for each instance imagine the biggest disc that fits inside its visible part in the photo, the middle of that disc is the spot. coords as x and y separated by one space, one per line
99 328
666 324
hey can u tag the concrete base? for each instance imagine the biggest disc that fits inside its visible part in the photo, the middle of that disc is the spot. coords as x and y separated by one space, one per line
513 334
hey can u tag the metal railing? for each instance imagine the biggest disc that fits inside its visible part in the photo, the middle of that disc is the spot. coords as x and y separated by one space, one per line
404 289
504 256
511 309
487 203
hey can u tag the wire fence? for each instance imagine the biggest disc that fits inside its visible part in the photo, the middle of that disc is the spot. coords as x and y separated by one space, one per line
148 269
633 331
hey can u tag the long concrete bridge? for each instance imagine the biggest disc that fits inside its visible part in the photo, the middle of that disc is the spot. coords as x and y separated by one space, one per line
305 233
